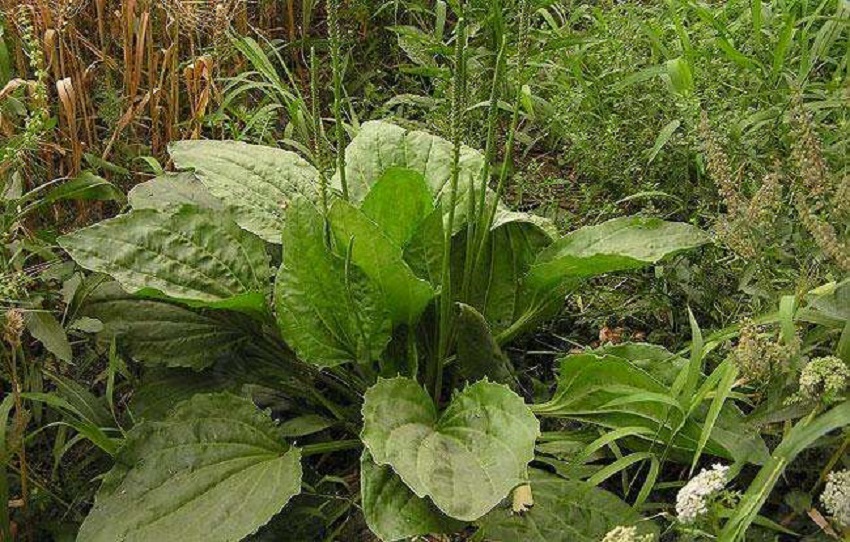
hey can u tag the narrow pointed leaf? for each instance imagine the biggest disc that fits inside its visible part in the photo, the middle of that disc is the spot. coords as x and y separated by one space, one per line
85 186
805 433
613 392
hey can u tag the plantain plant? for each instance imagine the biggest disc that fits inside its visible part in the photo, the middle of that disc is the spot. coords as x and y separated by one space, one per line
369 309
347 329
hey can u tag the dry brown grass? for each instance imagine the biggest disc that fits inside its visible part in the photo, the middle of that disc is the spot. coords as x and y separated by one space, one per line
131 72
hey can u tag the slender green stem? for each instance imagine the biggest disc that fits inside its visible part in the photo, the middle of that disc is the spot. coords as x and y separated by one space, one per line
445 326
328 447
522 54
479 231
336 67
318 157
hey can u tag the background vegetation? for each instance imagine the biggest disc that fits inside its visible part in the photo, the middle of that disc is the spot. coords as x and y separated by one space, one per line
731 116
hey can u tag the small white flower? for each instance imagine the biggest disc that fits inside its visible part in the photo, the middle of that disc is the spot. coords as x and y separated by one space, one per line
836 497
692 499
626 534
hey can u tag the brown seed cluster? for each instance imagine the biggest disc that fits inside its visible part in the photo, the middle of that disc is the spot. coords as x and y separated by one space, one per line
746 225
13 327
759 356
821 199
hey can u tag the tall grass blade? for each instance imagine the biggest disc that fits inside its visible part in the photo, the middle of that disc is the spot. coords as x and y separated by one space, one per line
800 437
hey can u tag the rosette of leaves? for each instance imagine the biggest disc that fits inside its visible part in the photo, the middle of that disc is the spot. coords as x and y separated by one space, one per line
238 285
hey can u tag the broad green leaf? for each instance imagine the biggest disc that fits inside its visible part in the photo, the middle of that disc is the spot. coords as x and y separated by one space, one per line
661 364
405 294
497 288
158 332
161 389
217 469
256 182
419 46
424 251
392 510
188 253
616 245
398 202
380 146
172 190
465 460
478 354
86 325
44 327
564 511
328 313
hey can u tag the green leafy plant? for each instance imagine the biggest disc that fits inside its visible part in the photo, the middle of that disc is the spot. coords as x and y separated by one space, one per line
350 336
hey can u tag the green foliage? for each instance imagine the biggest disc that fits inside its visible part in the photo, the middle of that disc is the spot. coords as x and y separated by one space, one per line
467 459
159 332
177 253
624 75
172 190
386 317
215 469
355 294
257 183
328 313
616 245
564 510
372 250
615 392
392 510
